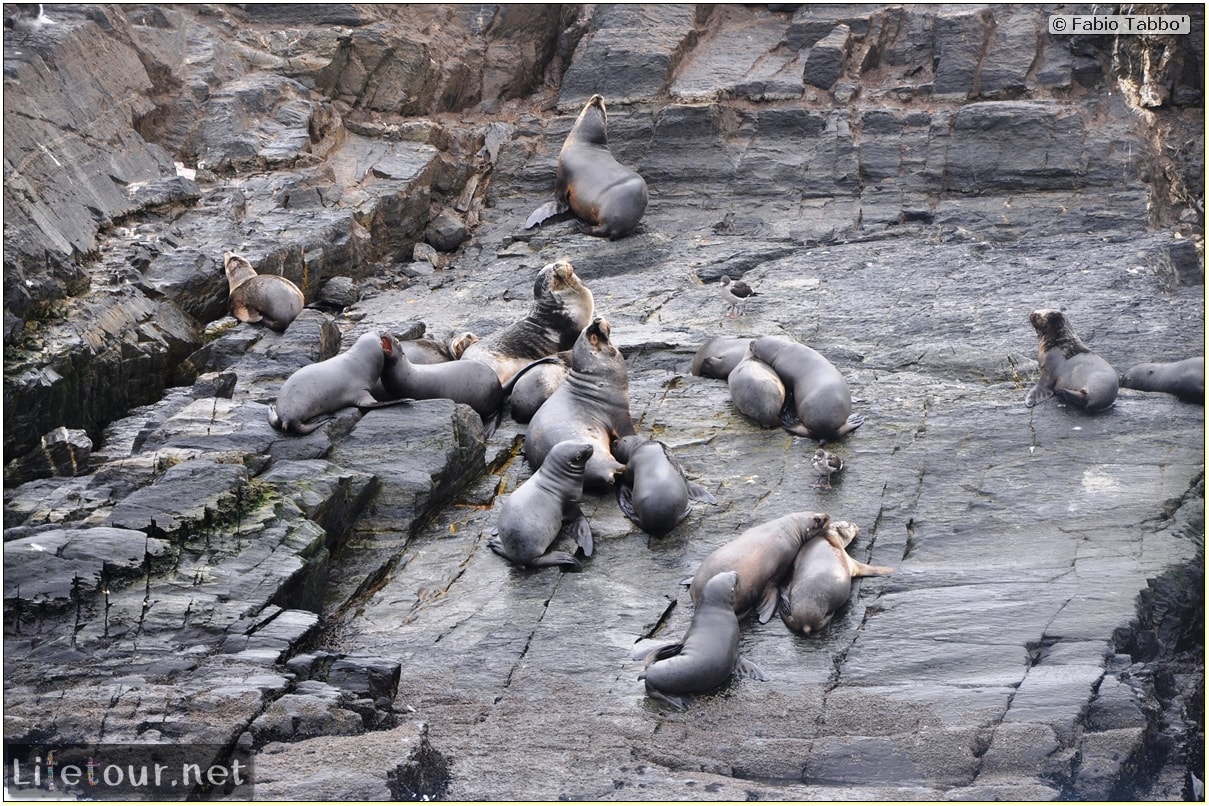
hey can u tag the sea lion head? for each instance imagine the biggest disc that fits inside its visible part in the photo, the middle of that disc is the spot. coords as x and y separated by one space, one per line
720 589
561 302
237 268
571 455
594 354
1055 333
592 125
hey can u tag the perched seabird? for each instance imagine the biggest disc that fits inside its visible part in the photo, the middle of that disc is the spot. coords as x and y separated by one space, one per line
826 463
736 292
27 17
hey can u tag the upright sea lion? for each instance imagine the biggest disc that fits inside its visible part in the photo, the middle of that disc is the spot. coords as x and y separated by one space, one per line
266 298
544 507
592 404
763 556
598 189
1068 368
718 356
320 389
757 391
822 579
654 492
562 307
708 654
821 396
1184 379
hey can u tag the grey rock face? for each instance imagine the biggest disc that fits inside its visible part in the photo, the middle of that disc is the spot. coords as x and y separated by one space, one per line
902 185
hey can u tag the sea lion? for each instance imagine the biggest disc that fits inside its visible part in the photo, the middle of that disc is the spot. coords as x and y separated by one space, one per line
1184 379
763 556
822 579
266 298
821 397
708 654
757 391
592 404
653 491
317 390
544 507
432 351
718 356
534 388
562 307
467 382
599 190
1068 368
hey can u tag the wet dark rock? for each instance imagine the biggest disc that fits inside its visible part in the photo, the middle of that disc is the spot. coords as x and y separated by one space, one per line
210 580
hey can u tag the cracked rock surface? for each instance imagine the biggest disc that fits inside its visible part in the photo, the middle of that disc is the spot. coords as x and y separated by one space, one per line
901 185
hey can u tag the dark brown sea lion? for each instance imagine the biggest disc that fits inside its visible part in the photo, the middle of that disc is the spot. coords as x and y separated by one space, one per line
1068 368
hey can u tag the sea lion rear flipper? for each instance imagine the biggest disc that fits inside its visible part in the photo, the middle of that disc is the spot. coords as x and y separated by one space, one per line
245 314
680 702
580 531
768 603
1038 394
544 212
748 669
791 423
644 647
561 558
698 493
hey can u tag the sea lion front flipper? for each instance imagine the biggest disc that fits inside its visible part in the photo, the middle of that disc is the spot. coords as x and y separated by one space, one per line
748 669
580 531
1038 394
768 603
544 212
671 699
853 422
645 647
791 423
860 569
625 501
698 493
561 558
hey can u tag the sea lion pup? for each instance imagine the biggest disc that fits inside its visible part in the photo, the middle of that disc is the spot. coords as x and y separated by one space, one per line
718 356
757 391
821 398
531 390
317 390
763 556
562 307
269 299
544 507
433 351
467 382
822 579
592 404
653 491
1068 368
708 654
599 190
1184 379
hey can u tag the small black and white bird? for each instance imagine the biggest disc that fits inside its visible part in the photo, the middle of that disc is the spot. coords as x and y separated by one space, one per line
25 17
736 292
826 463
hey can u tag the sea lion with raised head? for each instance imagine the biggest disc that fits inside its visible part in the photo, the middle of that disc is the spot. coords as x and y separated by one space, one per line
545 507
562 307
763 557
821 398
707 656
654 492
267 299
1069 369
592 404
822 579
604 194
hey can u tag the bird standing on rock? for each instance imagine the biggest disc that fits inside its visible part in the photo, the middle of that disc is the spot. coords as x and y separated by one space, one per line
826 463
736 292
